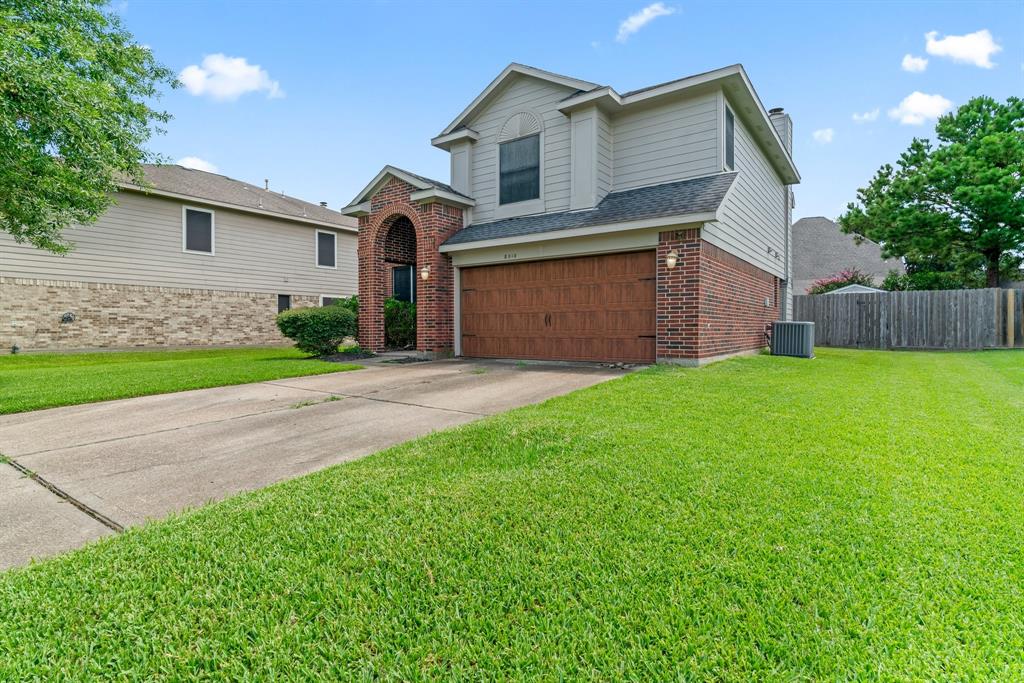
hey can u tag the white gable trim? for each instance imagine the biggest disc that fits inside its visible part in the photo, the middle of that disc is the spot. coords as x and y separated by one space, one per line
507 72
379 179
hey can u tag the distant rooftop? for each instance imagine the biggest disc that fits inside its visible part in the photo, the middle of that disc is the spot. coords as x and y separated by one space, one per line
246 196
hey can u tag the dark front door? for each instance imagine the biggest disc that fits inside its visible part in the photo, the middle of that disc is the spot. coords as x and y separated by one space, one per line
403 283
588 308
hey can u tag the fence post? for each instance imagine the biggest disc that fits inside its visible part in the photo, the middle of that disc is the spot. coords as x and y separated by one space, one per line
1011 326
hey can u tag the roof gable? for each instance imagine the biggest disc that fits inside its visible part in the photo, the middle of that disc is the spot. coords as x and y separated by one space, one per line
427 190
510 72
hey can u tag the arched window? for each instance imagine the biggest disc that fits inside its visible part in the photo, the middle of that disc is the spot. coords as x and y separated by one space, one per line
519 158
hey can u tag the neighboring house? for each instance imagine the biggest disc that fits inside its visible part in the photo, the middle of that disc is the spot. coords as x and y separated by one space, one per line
196 259
584 224
856 289
821 250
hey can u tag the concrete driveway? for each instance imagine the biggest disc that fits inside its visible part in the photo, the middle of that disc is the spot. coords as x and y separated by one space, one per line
101 467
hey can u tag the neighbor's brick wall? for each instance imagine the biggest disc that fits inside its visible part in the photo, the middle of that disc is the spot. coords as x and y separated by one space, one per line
433 223
712 303
112 316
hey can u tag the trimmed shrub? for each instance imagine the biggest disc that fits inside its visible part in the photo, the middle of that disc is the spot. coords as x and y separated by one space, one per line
399 323
317 331
352 304
850 276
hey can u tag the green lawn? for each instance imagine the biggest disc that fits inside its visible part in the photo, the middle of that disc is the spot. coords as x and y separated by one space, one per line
858 516
34 381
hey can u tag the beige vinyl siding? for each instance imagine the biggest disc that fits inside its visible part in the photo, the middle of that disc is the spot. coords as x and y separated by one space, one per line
138 241
753 215
604 155
522 94
667 142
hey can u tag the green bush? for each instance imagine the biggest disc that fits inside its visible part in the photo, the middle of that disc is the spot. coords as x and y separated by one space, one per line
849 276
317 331
352 304
399 323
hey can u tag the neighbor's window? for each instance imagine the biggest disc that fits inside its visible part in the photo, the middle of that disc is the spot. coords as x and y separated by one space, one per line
403 283
730 140
329 300
519 170
325 249
197 230
284 302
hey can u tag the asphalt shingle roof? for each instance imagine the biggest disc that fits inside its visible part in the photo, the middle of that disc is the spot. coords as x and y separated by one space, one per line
219 188
821 249
696 195
430 181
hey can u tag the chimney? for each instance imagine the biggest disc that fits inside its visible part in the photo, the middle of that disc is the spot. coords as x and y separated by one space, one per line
783 126
323 204
266 184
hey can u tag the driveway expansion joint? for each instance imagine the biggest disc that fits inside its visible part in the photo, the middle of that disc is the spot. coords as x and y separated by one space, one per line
65 496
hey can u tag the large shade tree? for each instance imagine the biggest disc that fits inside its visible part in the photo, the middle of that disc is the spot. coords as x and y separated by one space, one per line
960 202
75 94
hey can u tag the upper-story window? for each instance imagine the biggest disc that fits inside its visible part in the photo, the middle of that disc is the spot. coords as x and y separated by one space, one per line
730 140
326 249
196 230
519 169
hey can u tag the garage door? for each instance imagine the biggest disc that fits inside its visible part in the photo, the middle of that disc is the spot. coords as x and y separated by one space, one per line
593 308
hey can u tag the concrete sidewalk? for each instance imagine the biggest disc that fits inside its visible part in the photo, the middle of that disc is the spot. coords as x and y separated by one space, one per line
100 467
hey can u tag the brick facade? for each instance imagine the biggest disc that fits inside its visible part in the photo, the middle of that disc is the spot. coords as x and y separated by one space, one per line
712 303
114 316
432 224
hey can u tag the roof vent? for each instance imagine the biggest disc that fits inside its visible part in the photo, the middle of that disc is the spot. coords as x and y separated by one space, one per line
776 111
266 184
323 204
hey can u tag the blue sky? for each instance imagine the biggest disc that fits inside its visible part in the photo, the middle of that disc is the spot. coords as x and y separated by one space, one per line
342 89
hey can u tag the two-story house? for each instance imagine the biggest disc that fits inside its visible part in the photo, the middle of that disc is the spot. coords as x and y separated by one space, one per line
581 223
191 259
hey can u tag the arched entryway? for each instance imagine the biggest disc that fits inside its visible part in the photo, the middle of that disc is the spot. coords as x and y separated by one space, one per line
399 255
399 240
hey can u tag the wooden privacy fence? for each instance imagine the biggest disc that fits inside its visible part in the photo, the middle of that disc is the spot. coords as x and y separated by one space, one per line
948 319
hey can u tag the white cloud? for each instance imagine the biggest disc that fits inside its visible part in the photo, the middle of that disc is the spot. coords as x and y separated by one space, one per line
227 78
917 107
637 21
974 48
866 117
824 135
914 64
197 163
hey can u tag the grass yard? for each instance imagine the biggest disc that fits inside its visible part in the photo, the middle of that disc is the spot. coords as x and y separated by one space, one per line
34 381
859 516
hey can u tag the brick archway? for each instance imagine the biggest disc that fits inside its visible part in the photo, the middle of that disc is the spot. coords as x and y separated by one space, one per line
432 224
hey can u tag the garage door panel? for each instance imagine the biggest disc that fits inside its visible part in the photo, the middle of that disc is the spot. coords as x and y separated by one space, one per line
585 308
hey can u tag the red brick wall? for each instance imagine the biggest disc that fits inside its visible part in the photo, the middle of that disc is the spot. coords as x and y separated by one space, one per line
400 242
712 303
733 293
432 224
678 311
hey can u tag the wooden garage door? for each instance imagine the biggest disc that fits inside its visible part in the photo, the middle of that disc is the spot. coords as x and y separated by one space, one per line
586 308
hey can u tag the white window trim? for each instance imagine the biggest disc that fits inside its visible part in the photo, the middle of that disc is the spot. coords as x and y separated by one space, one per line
527 206
329 296
317 247
726 110
213 231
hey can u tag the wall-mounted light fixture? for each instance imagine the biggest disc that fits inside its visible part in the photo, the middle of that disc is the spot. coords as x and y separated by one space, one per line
671 259
425 273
